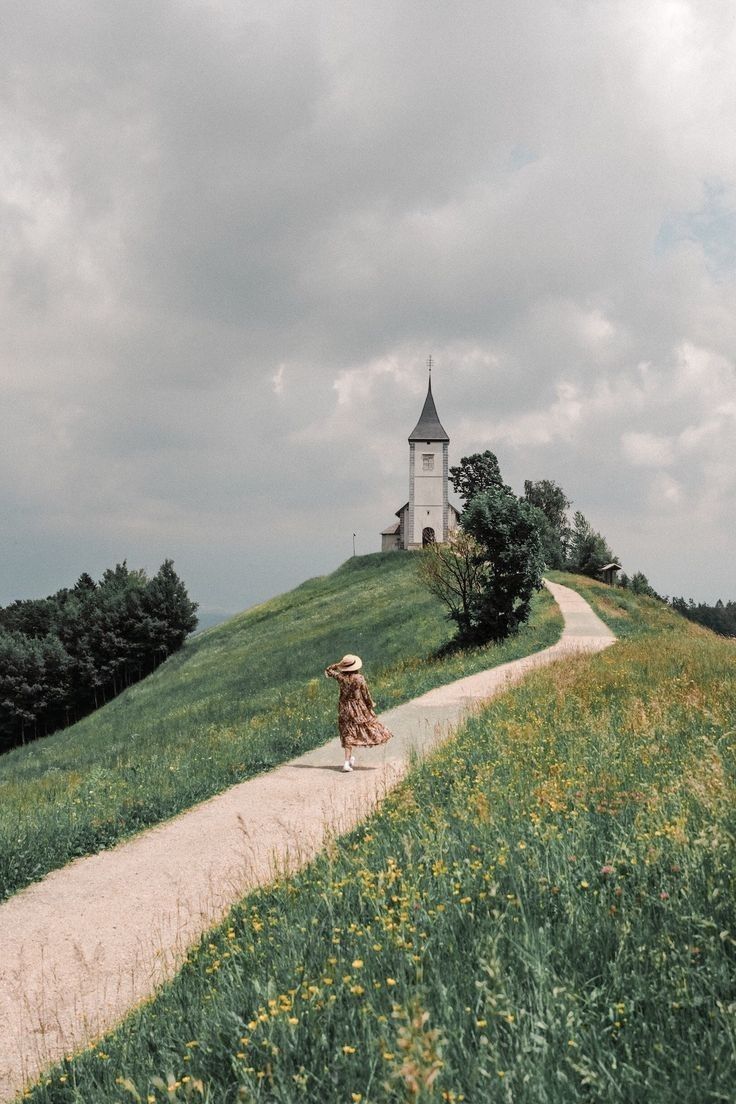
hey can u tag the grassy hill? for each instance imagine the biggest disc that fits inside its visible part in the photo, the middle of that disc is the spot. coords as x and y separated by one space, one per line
543 912
238 699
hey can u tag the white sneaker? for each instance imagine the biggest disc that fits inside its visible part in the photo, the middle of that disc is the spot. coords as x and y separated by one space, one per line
346 768
351 760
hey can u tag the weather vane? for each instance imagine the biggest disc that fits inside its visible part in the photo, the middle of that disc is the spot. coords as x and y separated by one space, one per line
429 365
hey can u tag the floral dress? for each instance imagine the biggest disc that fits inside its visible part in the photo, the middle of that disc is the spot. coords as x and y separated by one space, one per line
356 718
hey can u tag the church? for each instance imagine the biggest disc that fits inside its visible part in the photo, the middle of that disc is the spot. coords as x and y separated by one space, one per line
428 516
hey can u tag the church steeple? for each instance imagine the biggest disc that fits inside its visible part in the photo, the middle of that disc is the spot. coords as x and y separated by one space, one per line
429 427
428 516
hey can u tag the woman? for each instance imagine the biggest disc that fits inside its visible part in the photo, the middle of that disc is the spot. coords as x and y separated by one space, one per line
356 718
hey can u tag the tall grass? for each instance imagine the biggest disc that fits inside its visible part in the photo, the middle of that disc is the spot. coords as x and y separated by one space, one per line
239 699
543 912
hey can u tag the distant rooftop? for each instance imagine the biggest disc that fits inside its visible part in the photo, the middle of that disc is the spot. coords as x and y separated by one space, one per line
429 427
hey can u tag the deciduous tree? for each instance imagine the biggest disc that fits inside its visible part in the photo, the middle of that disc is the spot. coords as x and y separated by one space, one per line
453 572
589 551
550 498
508 530
475 474
487 573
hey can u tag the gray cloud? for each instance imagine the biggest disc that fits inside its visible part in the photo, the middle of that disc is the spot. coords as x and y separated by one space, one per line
232 233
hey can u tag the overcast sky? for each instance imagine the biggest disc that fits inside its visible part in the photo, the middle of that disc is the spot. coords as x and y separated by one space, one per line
232 232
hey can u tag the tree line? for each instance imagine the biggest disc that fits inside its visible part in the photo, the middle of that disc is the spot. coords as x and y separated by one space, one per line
720 618
65 655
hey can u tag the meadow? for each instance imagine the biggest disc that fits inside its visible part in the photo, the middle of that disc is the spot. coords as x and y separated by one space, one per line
237 700
542 912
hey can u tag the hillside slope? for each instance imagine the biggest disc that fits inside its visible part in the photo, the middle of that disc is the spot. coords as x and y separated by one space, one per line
237 700
543 912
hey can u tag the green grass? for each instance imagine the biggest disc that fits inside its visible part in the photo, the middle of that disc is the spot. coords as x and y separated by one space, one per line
629 615
237 700
542 913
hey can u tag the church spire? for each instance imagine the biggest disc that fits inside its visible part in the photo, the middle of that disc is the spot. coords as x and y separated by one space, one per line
429 427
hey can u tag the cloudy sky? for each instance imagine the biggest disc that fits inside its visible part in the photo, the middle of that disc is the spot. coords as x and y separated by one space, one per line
233 231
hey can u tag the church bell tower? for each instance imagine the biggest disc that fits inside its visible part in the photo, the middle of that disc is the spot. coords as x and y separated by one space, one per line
428 517
427 522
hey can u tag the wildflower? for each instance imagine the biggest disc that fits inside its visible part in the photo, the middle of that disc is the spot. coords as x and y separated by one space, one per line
584 885
356 1097
357 963
348 1050
607 869
390 981
664 895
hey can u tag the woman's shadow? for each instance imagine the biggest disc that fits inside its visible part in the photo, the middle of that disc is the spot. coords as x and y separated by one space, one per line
330 767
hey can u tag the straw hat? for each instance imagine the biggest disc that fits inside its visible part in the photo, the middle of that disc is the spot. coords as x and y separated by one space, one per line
350 663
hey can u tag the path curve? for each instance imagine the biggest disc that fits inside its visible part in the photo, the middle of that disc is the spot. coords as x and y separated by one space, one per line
83 946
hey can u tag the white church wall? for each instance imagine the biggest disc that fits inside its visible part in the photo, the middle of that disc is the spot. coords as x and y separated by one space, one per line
428 496
427 517
427 492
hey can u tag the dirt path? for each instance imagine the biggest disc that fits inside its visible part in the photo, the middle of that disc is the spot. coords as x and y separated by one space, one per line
81 947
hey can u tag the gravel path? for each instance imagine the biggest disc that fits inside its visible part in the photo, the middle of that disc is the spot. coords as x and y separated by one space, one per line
79 949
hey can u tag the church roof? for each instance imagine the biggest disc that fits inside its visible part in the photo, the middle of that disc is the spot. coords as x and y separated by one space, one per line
429 428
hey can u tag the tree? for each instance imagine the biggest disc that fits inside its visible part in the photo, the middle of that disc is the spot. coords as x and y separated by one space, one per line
167 604
639 584
589 551
508 531
487 574
550 498
476 474
453 572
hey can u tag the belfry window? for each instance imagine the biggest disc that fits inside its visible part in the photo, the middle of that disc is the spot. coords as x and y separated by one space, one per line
427 461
